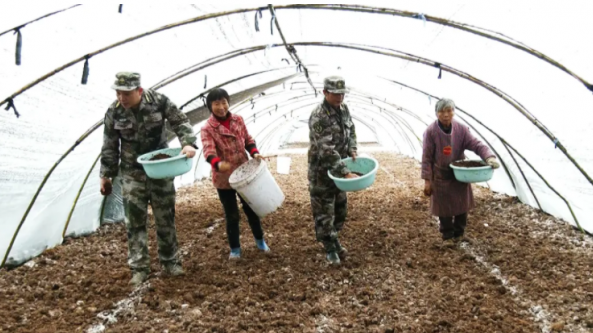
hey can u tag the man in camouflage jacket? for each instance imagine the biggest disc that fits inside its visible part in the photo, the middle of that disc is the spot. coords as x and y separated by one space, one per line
135 125
332 137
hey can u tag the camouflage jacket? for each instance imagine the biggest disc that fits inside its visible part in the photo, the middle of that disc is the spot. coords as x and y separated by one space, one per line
332 137
128 134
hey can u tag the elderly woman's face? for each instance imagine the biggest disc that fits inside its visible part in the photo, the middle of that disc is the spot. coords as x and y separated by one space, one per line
446 115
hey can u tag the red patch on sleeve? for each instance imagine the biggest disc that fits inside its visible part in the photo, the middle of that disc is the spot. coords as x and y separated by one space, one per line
447 151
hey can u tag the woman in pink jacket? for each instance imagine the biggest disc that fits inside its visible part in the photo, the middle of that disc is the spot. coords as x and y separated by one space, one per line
225 142
445 141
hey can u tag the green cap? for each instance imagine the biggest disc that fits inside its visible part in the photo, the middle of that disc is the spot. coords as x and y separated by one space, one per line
335 85
126 81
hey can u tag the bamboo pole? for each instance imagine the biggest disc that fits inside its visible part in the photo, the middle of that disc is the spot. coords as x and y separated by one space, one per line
103 203
231 81
548 184
250 118
524 177
82 138
508 99
356 8
489 34
78 196
393 123
215 60
125 41
399 118
374 10
290 48
37 19
356 92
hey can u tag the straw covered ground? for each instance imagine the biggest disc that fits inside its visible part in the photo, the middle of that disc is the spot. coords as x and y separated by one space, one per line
523 271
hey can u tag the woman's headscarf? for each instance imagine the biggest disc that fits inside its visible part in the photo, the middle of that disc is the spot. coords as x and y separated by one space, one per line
444 103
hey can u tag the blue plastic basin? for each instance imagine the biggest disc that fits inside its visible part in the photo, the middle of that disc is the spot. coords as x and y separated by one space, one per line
473 175
177 165
364 165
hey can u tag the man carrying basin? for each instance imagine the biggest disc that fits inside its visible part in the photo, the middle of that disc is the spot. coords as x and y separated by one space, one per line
445 141
332 137
135 125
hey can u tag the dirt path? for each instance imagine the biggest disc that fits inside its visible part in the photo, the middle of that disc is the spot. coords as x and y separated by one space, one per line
524 272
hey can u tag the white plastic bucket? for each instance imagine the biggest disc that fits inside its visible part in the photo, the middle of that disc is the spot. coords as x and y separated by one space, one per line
283 165
254 182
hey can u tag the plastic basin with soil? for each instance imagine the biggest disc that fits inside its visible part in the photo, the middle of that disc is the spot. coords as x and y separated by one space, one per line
472 171
365 167
165 163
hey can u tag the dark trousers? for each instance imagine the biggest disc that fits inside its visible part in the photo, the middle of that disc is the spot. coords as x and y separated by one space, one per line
228 198
453 227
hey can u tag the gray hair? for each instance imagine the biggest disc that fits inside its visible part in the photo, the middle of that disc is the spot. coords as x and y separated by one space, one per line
444 103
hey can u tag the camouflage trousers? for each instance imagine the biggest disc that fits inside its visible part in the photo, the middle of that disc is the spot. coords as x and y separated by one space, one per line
330 208
136 196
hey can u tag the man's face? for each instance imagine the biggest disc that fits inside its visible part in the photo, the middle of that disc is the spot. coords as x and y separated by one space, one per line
129 99
220 107
334 100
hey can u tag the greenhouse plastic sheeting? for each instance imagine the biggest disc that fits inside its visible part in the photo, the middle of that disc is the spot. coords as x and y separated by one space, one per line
390 63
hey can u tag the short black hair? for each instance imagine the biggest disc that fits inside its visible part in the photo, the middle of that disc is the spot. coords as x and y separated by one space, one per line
216 95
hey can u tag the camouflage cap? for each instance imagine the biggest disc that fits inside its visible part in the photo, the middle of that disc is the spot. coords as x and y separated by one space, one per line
335 85
126 81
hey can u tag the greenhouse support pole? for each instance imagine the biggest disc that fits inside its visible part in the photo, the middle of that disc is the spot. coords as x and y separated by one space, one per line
524 177
548 184
290 48
84 136
78 196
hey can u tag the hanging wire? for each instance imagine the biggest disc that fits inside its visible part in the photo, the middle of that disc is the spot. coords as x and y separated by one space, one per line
19 46
37 19
422 17
85 70
10 105
438 65
485 33
284 59
257 19
290 48
272 20
205 81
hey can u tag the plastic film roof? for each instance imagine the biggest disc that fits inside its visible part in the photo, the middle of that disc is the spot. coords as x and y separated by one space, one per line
397 67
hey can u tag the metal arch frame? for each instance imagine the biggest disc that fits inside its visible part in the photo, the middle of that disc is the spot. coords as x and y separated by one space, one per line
37 19
402 55
501 94
388 112
377 50
250 119
489 34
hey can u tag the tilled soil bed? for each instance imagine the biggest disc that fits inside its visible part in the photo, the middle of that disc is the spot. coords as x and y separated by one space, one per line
522 271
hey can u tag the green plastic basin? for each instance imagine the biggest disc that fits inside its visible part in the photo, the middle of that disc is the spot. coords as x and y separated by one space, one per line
166 168
473 175
365 165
